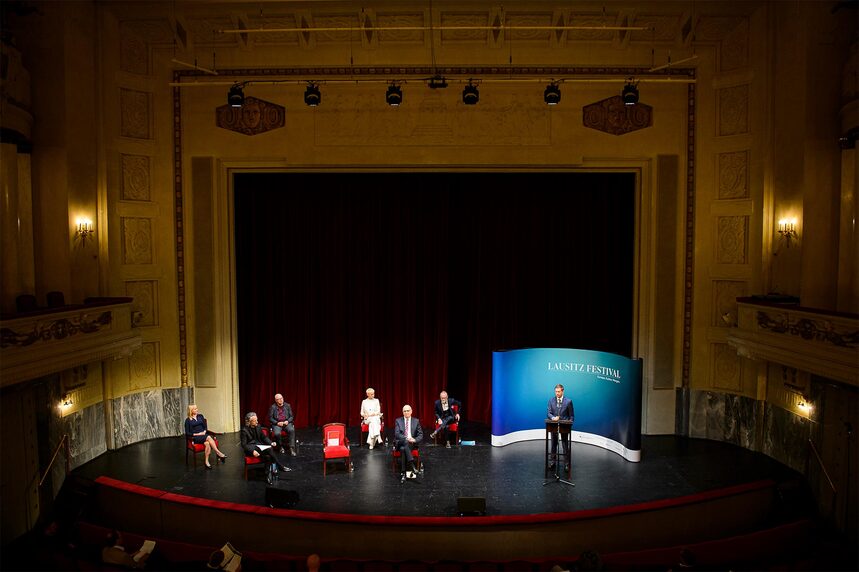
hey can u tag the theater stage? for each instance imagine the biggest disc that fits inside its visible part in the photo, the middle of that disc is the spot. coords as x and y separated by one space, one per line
509 478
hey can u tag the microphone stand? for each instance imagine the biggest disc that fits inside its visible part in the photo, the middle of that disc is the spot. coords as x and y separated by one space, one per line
556 458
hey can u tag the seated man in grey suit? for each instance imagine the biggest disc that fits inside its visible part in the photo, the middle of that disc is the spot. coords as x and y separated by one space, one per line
407 435
281 419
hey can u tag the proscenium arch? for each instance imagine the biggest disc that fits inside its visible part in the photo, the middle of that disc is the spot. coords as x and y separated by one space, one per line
212 335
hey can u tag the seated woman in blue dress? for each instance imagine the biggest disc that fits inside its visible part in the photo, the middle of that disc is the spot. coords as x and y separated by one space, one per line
197 430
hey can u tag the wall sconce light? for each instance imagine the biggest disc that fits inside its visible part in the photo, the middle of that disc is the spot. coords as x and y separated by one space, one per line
787 230
84 230
67 400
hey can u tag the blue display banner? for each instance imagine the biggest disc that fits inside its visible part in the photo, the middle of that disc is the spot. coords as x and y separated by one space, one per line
605 390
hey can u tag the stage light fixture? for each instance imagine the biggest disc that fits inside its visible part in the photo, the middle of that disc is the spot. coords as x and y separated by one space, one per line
312 95
630 93
437 82
236 96
552 95
394 95
470 95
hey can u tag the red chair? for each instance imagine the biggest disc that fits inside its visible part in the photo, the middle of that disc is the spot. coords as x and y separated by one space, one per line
452 427
365 430
254 462
192 448
395 460
335 446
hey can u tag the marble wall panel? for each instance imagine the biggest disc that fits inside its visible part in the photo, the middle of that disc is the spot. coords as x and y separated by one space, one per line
723 417
148 415
786 437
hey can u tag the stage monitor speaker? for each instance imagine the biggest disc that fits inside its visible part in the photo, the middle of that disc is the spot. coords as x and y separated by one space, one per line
471 506
280 498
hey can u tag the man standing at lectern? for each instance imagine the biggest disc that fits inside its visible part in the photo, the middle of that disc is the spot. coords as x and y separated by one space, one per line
560 408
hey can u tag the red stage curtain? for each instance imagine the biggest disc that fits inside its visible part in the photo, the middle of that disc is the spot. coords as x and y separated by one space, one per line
408 282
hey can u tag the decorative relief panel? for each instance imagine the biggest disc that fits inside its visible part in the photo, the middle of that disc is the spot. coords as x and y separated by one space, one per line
143 367
435 119
133 52
254 117
525 20
136 240
463 19
593 21
144 309
134 113
612 116
401 21
734 175
734 110
135 38
346 23
734 52
731 243
135 178
726 372
725 294
275 22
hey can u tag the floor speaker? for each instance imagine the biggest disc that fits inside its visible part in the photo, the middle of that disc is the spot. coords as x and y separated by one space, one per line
280 498
471 506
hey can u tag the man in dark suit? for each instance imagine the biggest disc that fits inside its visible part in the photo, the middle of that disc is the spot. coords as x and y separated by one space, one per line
447 411
560 408
407 435
251 436
281 419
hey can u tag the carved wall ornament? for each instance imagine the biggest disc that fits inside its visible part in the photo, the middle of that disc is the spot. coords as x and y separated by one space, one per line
725 294
734 49
612 116
731 245
254 117
734 110
134 113
136 240
55 330
726 367
734 175
145 294
135 178
143 367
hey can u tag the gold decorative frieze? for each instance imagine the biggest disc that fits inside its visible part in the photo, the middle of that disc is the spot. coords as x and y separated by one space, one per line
612 116
50 342
819 342
254 117
56 329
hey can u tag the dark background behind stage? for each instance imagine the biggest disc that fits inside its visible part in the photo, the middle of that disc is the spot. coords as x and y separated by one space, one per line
407 282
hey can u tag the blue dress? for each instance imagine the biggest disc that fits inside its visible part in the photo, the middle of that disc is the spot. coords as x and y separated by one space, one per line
195 426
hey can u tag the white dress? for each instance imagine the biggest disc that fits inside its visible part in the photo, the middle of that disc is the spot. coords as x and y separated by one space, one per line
374 422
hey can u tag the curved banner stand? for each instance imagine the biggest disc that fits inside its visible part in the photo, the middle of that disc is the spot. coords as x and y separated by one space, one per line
605 389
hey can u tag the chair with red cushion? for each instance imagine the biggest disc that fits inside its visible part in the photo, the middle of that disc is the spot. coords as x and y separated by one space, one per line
365 430
452 427
193 449
335 446
395 460
254 462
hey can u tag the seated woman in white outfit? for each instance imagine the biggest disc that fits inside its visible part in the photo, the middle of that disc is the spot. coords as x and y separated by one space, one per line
371 415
